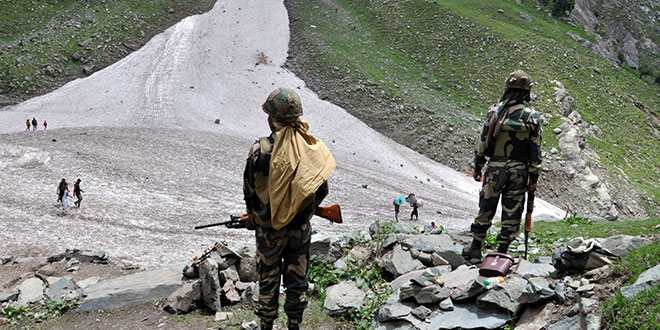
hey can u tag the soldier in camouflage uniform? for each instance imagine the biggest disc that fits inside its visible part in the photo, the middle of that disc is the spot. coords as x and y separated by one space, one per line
511 139
281 251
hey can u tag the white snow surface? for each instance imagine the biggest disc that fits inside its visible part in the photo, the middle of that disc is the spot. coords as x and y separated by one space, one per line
141 136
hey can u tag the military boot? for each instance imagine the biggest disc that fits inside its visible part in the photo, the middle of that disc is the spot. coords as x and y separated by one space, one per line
474 251
503 248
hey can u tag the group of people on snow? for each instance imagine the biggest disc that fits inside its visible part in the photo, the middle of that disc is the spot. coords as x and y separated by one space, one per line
34 124
415 203
63 194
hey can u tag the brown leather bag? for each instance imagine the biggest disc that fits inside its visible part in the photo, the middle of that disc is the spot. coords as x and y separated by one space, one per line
496 264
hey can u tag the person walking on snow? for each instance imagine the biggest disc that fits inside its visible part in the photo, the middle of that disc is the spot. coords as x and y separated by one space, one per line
397 203
45 125
60 190
65 197
27 122
415 203
34 124
78 193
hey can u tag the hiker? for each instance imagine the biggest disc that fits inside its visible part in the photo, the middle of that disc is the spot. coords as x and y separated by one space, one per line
78 193
511 140
415 203
45 125
34 124
65 197
60 190
397 203
27 122
280 201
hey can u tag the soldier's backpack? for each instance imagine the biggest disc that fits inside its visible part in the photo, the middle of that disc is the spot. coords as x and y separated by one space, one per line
580 254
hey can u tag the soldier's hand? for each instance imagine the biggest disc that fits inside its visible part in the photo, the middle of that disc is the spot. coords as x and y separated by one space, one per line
477 176
532 188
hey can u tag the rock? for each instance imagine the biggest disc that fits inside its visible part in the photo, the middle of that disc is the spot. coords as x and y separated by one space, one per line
342 297
399 281
171 11
225 252
210 283
88 281
4 297
441 244
47 270
527 268
505 295
599 273
73 269
247 266
476 288
469 317
385 227
241 286
437 260
5 259
584 304
585 288
431 294
30 291
421 312
648 279
535 317
88 69
341 264
325 246
461 277
82 255
621 245
446 305
229 274
251 294
425 258
525 17
537 289
560 292
133 289
543 260
183 299
222 316
217 121
398 262
395 311
85 42
566 324
65 288
557 130
360 252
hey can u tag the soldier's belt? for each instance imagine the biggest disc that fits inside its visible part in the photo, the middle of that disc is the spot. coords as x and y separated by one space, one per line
505 162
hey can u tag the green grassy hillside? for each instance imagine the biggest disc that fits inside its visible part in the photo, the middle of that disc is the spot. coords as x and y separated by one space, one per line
426 71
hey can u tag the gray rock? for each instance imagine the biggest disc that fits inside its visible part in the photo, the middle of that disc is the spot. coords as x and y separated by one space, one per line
421 312
64 288
391 312
241 286
437 260
557 130
325 245
210 282
398 262
47 270
535 317
226 252
5 259
82 255
525 17
251 294
342 297
537 289
4 297
399 281
133 289
599 273
542 260
527 268
446 305
30 291
223 316
183 299
229 274
469 317
570 323
583 305
505 295
441 244
431 294
247 266
560 292
424 257
648 279
585 288
621 245
341 264
476 288
88 281
461 277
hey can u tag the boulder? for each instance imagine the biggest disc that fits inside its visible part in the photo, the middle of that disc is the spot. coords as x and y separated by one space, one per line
535 317
437 260
645 281
431 294
210 283
469 317
247 266
399 281
398 262
441 244
225 251
88 281
621 245
391 312
505 295
537 289
342 297
65 288
229 274
325 246
133 289
476 288
81 255
183 299
30 291
533 269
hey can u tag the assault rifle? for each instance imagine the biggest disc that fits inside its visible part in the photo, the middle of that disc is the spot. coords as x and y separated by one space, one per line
332 213
197 260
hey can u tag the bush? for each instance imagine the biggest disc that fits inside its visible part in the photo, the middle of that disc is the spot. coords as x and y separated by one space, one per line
560 7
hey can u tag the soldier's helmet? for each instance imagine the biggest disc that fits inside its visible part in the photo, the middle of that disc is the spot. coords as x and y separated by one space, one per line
519 80
283 103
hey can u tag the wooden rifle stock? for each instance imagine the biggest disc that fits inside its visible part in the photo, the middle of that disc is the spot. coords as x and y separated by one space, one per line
332 213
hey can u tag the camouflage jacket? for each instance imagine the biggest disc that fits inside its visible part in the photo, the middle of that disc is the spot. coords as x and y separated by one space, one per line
519 139
255 187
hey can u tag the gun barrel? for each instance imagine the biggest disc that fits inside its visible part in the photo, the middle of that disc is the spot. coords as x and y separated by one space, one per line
212 225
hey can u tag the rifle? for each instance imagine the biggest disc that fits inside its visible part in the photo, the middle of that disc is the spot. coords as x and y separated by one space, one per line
198 260
332 213
528 219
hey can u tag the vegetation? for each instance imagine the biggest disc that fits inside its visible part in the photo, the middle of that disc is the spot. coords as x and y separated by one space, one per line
50 308
561 7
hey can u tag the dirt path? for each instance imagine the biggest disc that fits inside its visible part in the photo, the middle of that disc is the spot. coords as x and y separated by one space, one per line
141 136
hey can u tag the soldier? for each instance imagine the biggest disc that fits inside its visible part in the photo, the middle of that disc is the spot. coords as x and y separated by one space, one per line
511 139
284 180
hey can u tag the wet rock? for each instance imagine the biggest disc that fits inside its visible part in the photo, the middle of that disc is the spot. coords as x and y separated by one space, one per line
469 317
398 262
505 295
64 288
30 291
183 299
391 312
537 289
210 283
342 297
645 281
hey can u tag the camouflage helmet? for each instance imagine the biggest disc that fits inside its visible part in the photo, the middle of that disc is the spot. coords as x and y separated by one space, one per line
519 80
283 103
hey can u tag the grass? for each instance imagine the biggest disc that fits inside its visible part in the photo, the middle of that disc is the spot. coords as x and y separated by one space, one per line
431 64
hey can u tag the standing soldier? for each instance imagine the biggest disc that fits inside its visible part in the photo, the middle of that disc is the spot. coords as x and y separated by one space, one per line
511 139
284 180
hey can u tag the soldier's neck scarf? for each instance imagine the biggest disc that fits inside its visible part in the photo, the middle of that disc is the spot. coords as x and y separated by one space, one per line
299 164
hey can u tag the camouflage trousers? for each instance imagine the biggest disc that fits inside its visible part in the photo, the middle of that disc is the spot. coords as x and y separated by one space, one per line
283 253
508 179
